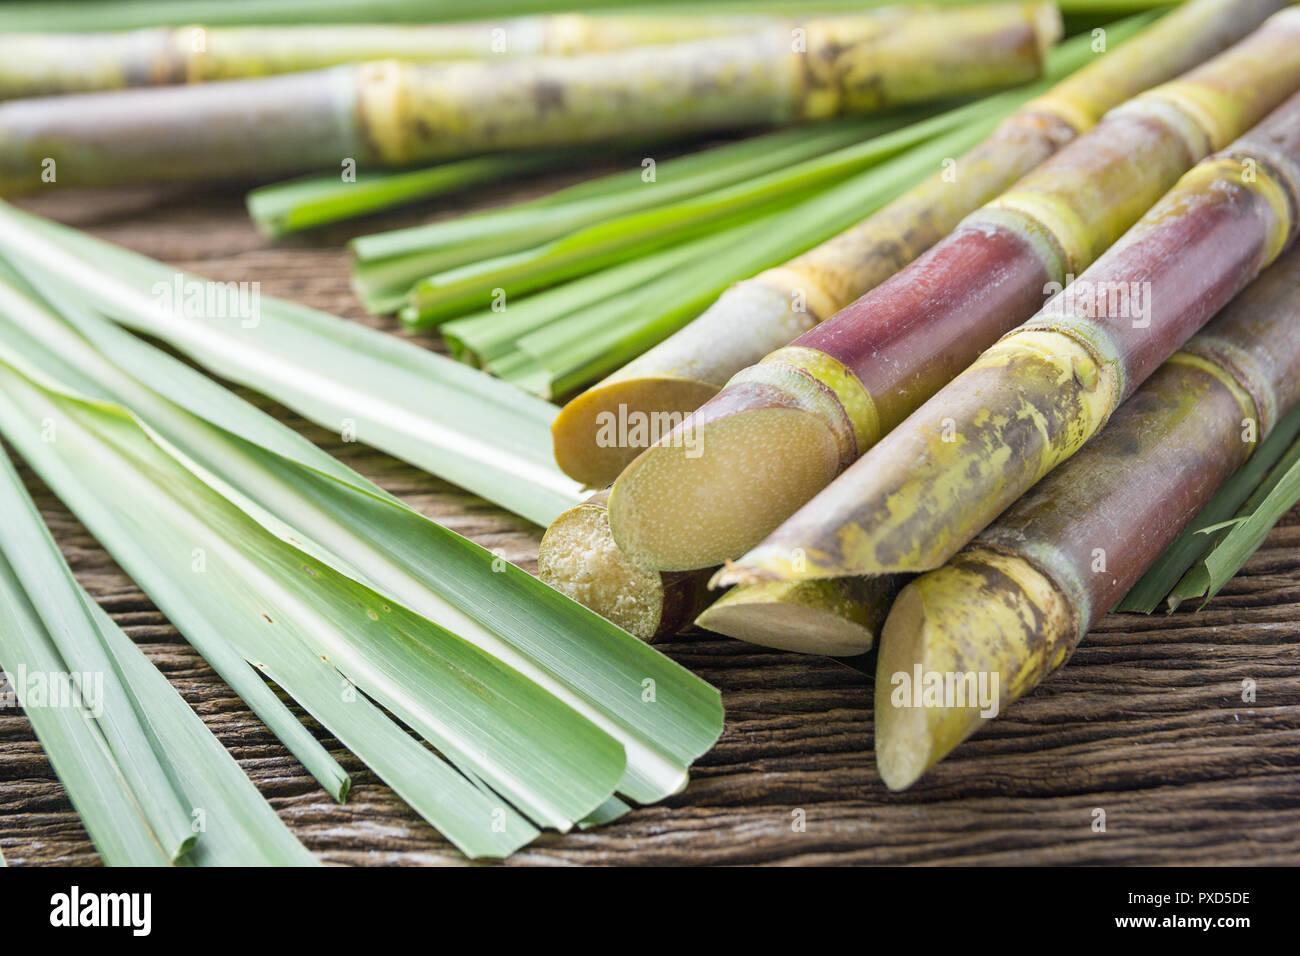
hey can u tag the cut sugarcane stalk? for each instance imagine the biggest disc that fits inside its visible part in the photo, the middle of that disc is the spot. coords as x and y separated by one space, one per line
1036 397
397 114
766 312
839 617
578 558
1018 599
43 64
622 588
835 390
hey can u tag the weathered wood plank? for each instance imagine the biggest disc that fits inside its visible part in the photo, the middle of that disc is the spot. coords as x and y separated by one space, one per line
1146 722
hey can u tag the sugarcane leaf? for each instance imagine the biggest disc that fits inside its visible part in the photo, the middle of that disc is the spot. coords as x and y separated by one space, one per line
488 337
1275 496
238 827
1231 522
663 716
54 594
393 655
432 411
310 201
240 589
76 748
388 264
609 811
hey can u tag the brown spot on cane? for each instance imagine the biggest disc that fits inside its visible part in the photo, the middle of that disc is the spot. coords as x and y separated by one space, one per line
548 96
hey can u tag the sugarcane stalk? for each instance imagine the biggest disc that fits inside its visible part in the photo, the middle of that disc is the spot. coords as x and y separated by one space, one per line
1031 401
838 617
1016 601
1238 496
761 314
43 64
839 387
578 558
392 113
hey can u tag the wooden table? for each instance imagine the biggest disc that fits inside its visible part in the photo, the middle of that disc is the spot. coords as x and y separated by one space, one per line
1147 722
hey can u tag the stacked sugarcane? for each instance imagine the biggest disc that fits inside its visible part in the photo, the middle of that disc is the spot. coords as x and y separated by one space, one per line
783 428
1033 364
1019 597
766 312
398 110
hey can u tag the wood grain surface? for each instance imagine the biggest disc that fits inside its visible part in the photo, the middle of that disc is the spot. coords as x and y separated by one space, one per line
1146 722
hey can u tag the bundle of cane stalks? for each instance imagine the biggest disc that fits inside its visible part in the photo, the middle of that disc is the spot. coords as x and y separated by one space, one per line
782 429
960 463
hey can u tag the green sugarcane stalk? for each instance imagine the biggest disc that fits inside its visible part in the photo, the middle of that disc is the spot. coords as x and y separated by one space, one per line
64 15
765 312
1031 402
783 429
396 114
44 64
1017 600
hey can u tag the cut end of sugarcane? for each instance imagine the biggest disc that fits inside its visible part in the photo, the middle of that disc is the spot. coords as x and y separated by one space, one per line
579 559
773 564
1048 27
905 746
837 618
716 489
600 432
958 645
